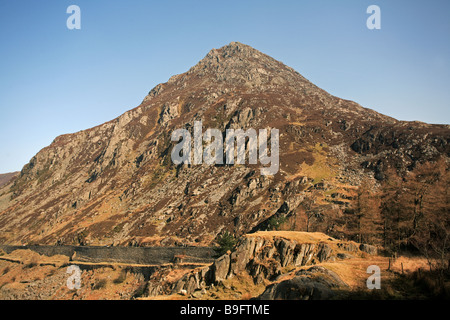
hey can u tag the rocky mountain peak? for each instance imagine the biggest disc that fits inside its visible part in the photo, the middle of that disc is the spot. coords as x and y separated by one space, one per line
240 64
116 183
234 50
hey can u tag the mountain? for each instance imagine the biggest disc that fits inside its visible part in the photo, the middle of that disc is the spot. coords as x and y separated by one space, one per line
7 177
116 183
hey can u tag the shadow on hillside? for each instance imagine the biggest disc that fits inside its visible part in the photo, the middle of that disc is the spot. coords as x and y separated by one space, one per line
417 285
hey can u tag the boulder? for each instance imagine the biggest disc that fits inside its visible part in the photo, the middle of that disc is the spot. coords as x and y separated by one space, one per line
344 256
368 249
220 268
241 257
324 253
316 283
348 246
286 250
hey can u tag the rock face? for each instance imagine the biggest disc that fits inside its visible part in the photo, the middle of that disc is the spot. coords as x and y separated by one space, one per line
116 184
316 283
267 258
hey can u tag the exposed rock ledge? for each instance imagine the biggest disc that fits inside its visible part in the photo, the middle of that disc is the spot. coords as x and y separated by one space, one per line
316 283
264 255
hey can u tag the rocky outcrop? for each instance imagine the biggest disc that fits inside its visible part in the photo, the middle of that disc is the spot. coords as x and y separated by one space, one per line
169 112
315 283
266 258
368 248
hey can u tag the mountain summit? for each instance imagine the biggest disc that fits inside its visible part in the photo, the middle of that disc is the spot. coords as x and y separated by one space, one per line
116 184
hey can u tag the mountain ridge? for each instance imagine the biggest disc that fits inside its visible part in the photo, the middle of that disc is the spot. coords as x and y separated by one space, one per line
7 177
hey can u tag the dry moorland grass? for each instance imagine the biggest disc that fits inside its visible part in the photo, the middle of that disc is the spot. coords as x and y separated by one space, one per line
301 237
30 257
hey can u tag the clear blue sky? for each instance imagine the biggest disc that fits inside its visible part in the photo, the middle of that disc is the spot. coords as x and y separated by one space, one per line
55 81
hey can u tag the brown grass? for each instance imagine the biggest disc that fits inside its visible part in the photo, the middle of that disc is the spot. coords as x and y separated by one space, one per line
304 237
31 258
410 264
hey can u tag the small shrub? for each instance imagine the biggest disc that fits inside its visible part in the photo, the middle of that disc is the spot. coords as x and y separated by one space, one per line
121 278
276 222
226 241
100 284
117 229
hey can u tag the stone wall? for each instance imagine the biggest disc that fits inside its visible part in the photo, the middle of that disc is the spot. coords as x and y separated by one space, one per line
135 255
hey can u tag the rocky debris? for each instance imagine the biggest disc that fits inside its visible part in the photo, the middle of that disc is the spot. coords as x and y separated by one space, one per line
36 290
315 283
169 111
405 147
251 188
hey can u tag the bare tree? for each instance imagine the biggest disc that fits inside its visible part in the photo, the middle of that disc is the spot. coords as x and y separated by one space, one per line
431 219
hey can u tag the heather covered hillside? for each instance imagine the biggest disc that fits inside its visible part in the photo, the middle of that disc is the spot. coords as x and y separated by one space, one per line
116 183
